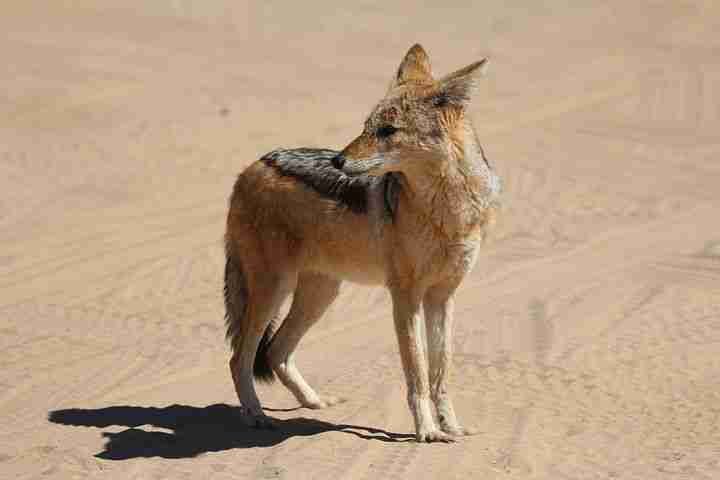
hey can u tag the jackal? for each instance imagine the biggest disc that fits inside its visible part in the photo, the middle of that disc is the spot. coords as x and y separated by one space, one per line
406 205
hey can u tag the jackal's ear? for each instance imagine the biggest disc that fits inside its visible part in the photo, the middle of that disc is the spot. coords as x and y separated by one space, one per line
457 87
415 67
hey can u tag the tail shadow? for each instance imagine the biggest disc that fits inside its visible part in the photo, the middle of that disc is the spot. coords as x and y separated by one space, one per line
196 430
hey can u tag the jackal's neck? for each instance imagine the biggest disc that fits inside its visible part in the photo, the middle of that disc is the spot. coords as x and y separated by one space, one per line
467 155
455 196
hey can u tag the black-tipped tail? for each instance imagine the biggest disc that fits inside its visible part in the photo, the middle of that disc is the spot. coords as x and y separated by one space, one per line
235 291
262 370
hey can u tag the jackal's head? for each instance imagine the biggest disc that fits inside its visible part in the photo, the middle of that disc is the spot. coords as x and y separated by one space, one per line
419 125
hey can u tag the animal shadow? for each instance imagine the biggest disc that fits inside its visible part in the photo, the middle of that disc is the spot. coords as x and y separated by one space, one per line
196 430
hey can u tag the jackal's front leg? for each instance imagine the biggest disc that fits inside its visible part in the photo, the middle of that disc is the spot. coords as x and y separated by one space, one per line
406 309
438 306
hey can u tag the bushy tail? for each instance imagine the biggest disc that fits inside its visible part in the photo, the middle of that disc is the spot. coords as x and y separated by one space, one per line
236 297
262 370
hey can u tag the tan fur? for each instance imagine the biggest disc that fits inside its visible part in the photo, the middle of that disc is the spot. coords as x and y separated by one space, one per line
287 238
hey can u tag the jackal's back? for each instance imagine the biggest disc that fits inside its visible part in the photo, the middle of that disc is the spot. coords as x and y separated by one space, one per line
293 205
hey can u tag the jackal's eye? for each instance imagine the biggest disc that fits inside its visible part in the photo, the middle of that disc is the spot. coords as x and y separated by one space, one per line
440 101
386 131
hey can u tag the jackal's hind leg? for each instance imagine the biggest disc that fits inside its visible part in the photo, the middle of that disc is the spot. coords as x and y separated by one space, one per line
264 300
438 309
313 295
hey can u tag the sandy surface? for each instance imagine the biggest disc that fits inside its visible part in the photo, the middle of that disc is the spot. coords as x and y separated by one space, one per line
588 336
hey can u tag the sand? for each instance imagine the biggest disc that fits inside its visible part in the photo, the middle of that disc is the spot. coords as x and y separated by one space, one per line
588 336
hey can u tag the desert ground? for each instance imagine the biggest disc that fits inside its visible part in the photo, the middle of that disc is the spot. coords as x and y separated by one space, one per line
588 335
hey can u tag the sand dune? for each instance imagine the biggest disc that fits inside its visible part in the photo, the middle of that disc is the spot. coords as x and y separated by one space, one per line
588 337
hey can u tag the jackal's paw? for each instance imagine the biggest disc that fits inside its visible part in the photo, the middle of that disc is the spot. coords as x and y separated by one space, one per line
458 431
262 422
323 402
255 419
434 436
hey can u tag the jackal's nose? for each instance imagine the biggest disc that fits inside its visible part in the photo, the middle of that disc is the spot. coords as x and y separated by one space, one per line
338 161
